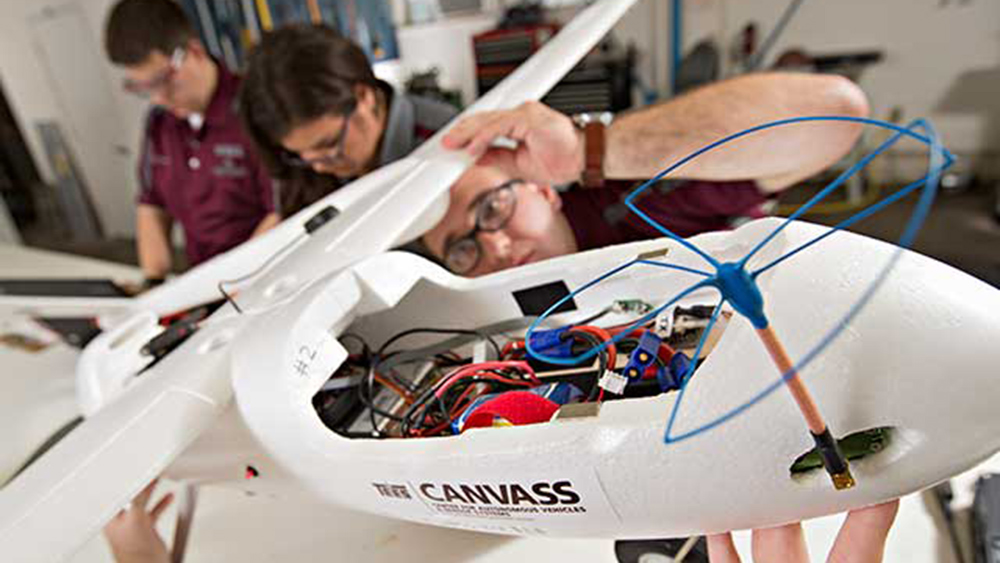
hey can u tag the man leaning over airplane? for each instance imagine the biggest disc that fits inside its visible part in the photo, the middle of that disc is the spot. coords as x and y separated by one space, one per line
506 210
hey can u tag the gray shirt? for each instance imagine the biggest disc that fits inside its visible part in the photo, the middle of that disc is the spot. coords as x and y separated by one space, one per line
412 120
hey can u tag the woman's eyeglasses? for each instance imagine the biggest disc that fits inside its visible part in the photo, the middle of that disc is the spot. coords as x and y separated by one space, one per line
333 151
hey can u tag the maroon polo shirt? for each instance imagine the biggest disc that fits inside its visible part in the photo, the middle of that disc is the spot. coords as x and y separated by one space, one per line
600 218
208 179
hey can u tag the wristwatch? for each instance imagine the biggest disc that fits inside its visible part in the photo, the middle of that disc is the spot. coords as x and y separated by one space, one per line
593 125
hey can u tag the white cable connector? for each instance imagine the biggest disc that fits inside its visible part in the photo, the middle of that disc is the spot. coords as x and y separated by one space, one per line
613 382
663 325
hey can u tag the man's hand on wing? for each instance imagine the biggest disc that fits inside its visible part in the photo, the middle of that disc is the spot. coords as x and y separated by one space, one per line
550 148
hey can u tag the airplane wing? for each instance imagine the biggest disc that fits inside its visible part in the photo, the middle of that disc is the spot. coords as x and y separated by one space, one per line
66 496
389 206
416 198
69 493
403 199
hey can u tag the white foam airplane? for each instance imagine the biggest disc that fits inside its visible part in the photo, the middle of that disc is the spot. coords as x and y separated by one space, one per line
237 395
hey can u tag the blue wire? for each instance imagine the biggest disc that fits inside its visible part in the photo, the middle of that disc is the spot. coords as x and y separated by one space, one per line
690 370
574 360
863 214
630 200
821 195
939 159
827 190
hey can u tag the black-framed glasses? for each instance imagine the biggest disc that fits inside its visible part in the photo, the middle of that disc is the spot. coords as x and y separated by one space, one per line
493 211
162 81
334 150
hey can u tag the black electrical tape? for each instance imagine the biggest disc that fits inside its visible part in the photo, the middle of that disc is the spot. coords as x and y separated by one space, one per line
828 449
169 339
322 217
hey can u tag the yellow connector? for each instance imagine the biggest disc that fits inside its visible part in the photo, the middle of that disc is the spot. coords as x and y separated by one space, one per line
843 481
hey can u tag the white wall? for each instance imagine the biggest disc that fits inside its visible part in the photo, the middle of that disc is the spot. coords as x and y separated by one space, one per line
933 49
36 89
647 26
446 45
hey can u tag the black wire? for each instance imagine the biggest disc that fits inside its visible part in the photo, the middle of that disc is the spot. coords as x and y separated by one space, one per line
365 396
602 359
595 316
406 384
398 380
366 351
419 403
255 271
420 409
405 333
449 361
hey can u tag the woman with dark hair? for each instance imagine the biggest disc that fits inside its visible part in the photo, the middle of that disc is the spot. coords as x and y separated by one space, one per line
320 118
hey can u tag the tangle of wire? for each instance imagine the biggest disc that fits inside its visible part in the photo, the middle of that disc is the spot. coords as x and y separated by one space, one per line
430 409
388 378
433 412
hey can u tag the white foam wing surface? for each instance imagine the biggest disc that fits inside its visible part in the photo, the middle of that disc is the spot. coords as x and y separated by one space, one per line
65 497
920 358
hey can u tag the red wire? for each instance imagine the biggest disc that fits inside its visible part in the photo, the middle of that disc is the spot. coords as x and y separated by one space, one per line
482 371
618 329
437 429
482 376
463 371
604 336
459 406
511 347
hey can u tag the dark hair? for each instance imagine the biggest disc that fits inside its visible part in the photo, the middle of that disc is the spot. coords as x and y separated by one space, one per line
137 28
297 74
419 247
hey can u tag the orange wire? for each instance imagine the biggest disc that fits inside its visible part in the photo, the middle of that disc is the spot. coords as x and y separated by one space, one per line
794 383
407 398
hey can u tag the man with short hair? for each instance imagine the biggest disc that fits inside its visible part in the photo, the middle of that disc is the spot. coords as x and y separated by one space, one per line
197 166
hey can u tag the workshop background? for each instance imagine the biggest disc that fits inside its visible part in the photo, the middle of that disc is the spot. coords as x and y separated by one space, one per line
62 97
69 139
70 134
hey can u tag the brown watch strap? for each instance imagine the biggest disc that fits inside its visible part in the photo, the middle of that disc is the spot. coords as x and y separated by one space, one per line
593 146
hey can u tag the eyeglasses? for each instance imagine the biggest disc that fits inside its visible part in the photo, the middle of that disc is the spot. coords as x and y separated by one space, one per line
493 211
334 150
163 81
